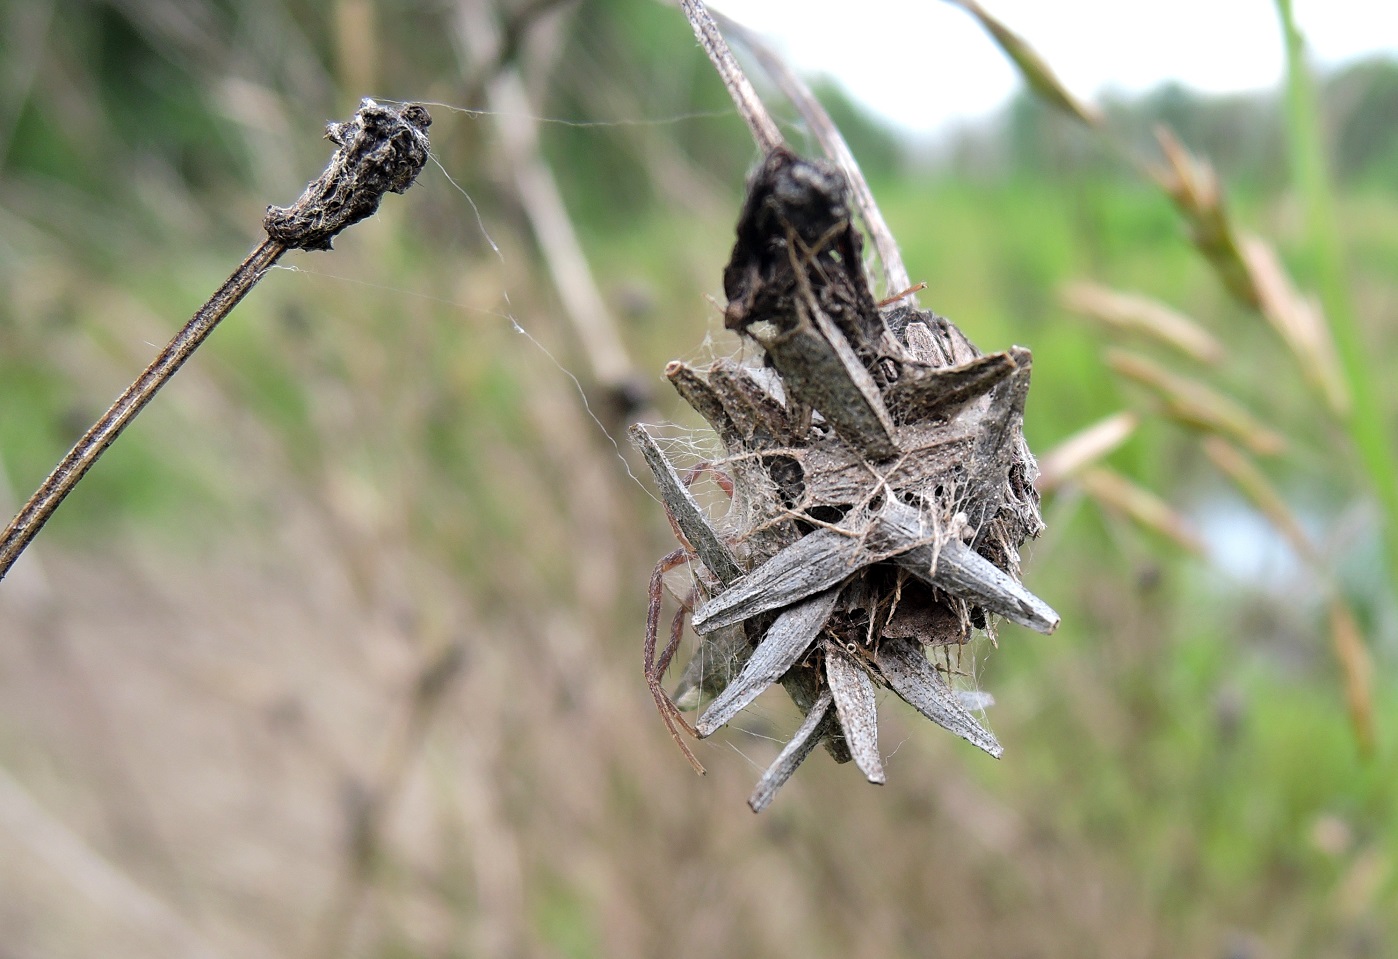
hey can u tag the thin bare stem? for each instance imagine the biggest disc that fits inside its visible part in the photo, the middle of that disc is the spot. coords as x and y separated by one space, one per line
596 328
66 475
832 142
379 149
759 121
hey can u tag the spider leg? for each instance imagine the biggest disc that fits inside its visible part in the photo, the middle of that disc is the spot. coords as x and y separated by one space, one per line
655 670
724 481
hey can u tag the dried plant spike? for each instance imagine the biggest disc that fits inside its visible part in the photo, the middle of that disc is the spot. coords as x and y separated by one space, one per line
1083 448
377 150
786 641
1036 72
1197 405
853 692
967 574
792 755
1195 190
380 149
953 566
1300 323
923 392
1135 313
759 121
905 668
1116 492
813 563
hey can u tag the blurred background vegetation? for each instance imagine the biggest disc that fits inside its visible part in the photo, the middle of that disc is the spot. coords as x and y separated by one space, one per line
338 651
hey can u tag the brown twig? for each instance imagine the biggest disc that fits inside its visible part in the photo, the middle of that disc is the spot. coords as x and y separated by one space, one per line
379 149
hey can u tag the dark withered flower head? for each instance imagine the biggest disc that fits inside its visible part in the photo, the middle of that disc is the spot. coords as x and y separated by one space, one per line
881 489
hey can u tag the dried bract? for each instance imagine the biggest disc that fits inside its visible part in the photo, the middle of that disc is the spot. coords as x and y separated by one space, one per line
880 489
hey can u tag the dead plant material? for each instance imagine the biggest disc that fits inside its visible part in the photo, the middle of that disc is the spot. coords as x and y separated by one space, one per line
1299 322
880 489
1035 70
1116 492
379 150
1198 406
1193 186
1084 448
1131 312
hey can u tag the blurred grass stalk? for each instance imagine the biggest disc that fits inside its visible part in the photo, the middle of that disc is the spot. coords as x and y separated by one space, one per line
1252 273
1365 421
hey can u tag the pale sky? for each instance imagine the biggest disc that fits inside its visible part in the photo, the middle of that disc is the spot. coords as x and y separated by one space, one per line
924 64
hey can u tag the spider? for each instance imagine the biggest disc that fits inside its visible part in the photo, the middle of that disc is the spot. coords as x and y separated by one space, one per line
655 667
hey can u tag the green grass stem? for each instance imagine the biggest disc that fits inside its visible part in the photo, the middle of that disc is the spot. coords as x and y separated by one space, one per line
1366 420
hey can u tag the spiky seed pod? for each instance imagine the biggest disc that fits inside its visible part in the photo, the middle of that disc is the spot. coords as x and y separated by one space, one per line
881 487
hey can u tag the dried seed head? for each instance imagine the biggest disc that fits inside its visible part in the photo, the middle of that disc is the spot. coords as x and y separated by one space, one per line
881 486
380 149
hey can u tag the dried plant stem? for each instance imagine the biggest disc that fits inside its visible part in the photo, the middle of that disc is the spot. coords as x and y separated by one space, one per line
759 121
543 204
379 149
66 475
832 142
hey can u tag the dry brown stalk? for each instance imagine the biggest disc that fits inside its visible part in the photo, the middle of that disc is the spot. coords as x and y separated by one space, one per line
379 149
745 98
